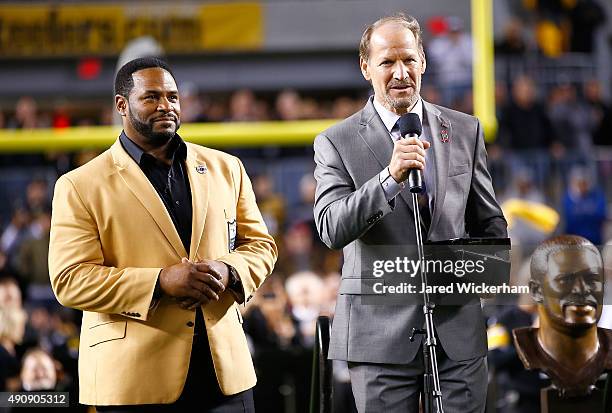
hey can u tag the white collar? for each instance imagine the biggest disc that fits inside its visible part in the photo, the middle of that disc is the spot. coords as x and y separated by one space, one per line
390 118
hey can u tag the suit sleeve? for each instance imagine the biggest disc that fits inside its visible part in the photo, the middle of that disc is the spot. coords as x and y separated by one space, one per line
484 217
256 252
76 263
342 212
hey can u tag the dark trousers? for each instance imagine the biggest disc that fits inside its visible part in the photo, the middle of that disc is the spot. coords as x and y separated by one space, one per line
201 392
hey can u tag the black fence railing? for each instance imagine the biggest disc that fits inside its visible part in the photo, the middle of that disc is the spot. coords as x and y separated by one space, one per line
321 389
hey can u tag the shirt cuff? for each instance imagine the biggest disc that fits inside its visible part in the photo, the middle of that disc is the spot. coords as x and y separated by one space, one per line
157 293
390 187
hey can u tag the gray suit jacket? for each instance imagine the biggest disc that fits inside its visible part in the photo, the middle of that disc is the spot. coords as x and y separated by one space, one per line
351 212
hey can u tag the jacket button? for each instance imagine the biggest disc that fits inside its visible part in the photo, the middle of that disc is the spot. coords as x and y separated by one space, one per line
190 324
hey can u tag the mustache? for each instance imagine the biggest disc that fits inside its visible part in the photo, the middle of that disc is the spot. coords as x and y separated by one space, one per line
399 83
166 115
579 301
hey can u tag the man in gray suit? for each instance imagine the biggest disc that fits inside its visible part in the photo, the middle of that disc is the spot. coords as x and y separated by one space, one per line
361 204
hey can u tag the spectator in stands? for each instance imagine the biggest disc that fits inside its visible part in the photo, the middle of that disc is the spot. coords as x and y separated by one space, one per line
600 112
40 325
602 135
526 135
12 328
267 320
271 204
451 57
302 212
242 106
310 109
512 44
551 29
191 105
586 17
305 293
524 188
261 110
25 114
584 206
275 348
32 260
214 110
305 297
10 293
518 389
54 330
550 38
37 196
38 371
343 107
14 234
288 105
571 122
297 251
524 124
61 115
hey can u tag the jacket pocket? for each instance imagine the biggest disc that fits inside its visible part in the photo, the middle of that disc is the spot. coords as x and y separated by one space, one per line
109 331
455 170
359 286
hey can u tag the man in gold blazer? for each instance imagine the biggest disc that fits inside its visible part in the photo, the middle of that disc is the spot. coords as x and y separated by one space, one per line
158 241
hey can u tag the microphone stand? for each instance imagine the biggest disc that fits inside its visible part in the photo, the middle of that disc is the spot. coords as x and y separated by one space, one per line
432 394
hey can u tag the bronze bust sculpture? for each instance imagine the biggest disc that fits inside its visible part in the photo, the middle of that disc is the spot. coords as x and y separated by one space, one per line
567 278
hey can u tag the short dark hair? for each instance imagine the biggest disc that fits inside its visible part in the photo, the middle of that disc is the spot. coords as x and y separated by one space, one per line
539 259
124 82
405 20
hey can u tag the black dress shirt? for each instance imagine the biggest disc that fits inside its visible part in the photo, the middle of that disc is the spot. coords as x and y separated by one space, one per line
170 181
172 185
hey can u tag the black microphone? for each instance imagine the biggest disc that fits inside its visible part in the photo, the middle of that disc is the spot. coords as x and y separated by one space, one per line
410 126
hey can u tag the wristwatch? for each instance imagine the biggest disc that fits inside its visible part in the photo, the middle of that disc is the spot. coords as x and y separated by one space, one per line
234 284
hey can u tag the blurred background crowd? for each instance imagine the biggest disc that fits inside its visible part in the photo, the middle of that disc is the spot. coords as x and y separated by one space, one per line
551 162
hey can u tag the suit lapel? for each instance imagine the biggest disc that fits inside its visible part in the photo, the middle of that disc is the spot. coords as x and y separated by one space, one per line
142 189
441 150
376 137
199 181
374 133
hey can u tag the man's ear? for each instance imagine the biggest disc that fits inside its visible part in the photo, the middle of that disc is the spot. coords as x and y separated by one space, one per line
424 65
536 291
365 69
121 104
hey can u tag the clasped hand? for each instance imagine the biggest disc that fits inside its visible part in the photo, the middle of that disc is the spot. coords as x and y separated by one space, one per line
194 284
